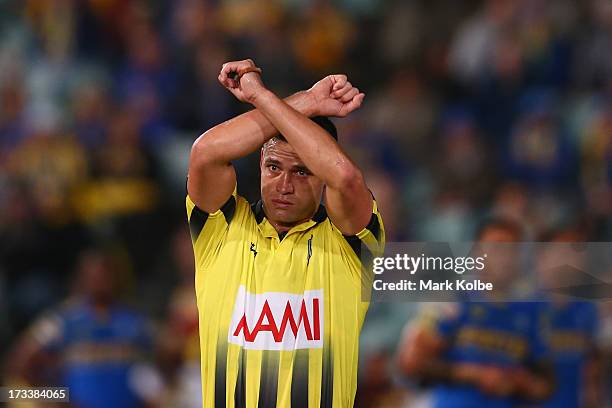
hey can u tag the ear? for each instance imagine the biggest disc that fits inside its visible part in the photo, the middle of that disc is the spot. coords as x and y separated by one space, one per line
261 156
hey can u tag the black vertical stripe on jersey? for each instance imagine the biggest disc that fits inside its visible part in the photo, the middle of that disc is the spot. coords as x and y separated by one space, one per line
229 208
327 377
268 381
299 380
258 211
374 227
357 245
220 372
196 223
240 392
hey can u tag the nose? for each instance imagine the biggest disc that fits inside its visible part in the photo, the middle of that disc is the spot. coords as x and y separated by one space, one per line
285 185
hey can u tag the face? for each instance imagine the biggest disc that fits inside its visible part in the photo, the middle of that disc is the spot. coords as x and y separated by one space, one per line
290 192
502 255
97 278
559 260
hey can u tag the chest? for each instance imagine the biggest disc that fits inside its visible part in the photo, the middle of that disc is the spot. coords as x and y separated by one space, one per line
494 333
91 329
297 253
569 334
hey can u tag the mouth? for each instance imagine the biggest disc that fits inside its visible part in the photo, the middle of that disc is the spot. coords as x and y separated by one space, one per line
281 203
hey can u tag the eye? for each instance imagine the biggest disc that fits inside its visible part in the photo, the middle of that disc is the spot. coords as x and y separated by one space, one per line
302 173
272 167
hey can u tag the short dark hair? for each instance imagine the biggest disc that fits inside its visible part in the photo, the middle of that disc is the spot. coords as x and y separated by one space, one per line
326 124
322 121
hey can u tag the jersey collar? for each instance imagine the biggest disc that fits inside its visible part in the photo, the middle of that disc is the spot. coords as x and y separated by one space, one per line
269 231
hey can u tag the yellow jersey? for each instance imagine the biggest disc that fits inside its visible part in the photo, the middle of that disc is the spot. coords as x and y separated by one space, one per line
280 316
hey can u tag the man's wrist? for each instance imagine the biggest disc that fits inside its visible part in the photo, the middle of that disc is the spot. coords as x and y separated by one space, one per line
303 102
260 97
465 373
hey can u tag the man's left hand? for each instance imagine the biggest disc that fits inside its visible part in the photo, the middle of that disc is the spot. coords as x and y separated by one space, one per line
335 96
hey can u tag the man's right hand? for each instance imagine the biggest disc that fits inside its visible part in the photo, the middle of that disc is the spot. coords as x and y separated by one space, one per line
242 79
335 96
491 380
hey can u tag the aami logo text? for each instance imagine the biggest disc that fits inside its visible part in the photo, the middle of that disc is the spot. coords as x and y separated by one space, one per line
277 320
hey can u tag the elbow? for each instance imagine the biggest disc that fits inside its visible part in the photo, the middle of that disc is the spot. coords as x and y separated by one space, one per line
409 363
543 389
202 152
347 178
410 367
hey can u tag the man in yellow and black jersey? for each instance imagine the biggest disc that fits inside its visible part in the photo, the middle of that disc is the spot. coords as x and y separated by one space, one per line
279 283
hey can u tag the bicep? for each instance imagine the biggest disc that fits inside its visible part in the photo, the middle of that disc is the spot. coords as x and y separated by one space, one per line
349 207
209 183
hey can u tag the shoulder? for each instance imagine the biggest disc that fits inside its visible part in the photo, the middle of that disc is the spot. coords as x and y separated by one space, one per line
372 235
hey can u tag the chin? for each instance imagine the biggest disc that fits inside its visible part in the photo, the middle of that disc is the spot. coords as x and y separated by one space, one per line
284 217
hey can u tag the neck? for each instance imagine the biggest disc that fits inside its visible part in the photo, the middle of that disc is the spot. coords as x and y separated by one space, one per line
281 227
100 305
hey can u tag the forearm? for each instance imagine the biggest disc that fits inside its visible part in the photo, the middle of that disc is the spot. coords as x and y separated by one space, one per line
320 153
437 370
457 373
534 387
245 133
419 362
535 381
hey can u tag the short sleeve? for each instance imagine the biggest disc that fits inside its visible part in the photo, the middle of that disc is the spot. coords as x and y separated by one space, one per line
209 230
372 237
442 318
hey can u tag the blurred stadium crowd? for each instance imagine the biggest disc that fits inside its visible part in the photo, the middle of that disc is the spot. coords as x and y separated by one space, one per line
472 108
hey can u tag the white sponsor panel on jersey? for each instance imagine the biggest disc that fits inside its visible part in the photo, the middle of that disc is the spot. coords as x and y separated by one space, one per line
277 320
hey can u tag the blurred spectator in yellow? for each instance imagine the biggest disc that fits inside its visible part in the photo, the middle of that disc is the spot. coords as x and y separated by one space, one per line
122 182
322 37
51 166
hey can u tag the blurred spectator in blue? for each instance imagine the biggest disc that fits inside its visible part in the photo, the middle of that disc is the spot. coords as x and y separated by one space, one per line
464 168
145 82
539 151
478 39
90 106
90 343
573 325
403 111
481 353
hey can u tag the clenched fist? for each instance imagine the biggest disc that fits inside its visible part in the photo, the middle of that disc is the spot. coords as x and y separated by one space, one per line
334 95
242 78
